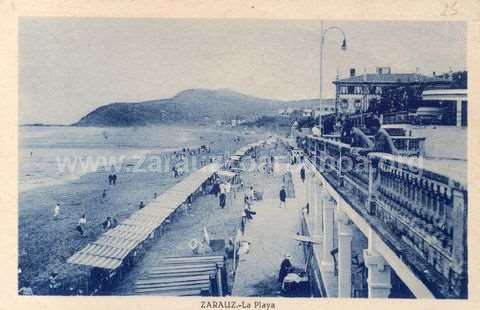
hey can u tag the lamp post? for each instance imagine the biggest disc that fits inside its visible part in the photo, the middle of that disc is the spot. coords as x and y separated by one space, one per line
322 43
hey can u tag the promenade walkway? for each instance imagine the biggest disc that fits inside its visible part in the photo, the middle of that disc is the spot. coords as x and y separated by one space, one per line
271 234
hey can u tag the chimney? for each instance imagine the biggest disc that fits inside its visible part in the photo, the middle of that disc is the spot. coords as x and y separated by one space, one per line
384 70
352 72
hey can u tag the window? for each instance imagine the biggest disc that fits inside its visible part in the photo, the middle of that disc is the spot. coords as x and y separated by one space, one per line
351 89
357 90
357 104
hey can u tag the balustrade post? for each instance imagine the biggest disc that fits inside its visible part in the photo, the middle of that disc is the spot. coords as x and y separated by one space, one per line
328 226
340 172
344 256
459 242
372 184
379 277
307 185
318 207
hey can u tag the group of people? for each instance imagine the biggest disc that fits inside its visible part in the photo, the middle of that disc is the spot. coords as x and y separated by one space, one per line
109 222
267 166
112 179
361 144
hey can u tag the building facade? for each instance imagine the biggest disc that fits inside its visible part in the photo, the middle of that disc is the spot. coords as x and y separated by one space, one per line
455 99
356 93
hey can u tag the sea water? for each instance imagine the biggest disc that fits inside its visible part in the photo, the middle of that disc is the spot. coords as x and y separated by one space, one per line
47 152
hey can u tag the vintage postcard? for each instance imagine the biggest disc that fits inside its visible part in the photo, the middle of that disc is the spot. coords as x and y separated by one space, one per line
261 162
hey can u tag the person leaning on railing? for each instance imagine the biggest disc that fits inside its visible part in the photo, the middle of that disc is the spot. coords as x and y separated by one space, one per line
382 142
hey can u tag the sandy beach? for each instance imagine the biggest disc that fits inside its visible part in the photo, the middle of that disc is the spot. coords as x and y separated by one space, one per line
46 243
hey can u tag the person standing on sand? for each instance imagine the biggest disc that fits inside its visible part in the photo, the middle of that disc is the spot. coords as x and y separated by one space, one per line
107 224
302 174
141 206
56 211
283 197
222 200
82 222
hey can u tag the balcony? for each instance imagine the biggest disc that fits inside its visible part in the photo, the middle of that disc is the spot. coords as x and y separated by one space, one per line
419 211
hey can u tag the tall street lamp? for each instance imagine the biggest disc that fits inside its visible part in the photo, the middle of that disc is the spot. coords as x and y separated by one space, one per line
322 43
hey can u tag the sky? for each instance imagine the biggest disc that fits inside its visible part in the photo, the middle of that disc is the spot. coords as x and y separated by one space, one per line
70 66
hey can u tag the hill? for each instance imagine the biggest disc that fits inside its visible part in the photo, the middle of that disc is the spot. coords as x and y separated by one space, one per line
193 105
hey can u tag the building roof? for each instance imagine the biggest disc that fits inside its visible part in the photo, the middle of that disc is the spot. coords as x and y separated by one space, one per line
391 78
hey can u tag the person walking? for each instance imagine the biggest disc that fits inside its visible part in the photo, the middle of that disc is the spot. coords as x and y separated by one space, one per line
283 197
53 283
141 205
56 211
247 209
302 174
110 179
285 268
216 189
114 179
222 200
251 194
82 222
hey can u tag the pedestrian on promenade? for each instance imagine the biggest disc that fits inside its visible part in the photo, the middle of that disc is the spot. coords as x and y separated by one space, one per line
283 197
285 268
228 192
53 283
82 222
302 174
222 200
247 210
104 194
251 194
114 179
56 211
110 179
216 189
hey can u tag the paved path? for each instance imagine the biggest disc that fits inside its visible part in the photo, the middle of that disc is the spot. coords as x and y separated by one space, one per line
271 234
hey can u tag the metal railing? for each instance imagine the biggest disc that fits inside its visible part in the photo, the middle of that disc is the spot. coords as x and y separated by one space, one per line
407 146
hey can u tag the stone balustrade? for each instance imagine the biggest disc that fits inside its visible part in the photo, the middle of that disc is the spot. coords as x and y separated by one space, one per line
421 213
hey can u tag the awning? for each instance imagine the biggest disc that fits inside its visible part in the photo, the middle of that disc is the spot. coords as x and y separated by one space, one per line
228 174
115 244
